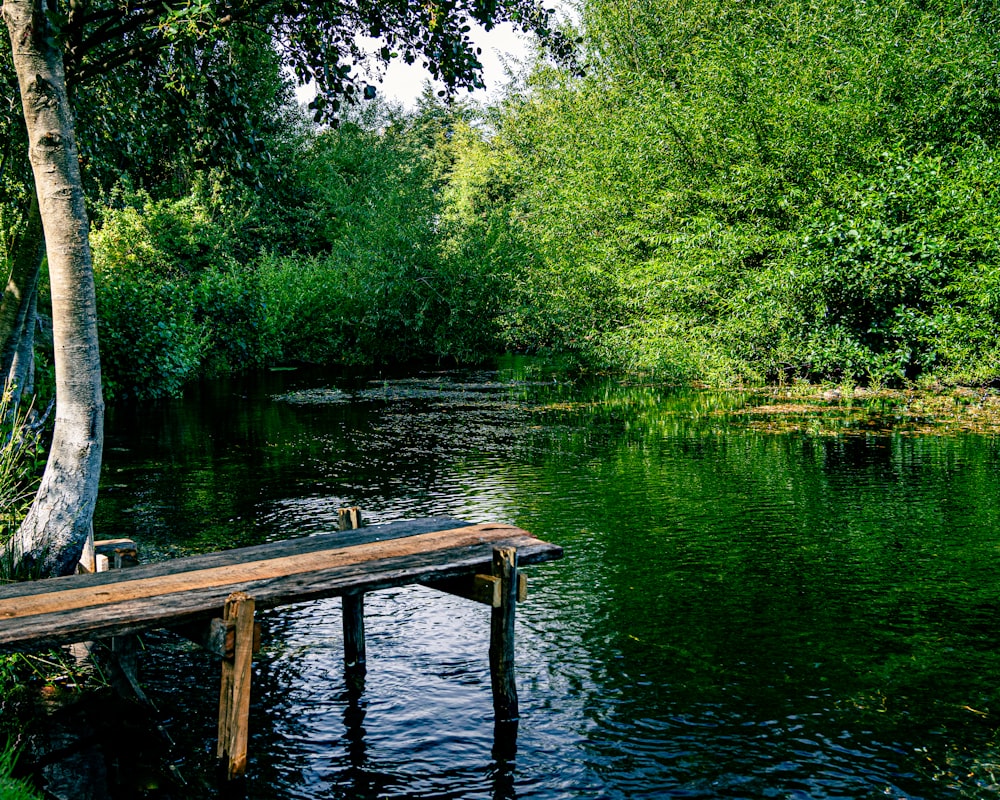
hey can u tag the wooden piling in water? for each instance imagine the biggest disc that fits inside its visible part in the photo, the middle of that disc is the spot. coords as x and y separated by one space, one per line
502 636
234 697
349 519
354 633
353 607
123 659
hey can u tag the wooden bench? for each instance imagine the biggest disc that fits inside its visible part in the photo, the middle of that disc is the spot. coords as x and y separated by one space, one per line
212 598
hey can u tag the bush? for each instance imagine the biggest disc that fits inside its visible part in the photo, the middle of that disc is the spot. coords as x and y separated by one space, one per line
151 342
229 308
159 238
385 273
304 320
172 303
892 281
744 191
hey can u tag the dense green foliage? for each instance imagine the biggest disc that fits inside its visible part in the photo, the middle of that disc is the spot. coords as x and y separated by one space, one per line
343 263
747 191
729 192
15 181
369 280
199 106
172 301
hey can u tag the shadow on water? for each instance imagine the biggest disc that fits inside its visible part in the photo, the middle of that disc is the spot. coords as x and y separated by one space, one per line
748 609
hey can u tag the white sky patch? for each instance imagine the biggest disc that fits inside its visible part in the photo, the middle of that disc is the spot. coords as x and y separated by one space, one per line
504 47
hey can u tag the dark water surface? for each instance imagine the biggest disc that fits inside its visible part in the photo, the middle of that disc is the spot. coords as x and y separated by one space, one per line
741 613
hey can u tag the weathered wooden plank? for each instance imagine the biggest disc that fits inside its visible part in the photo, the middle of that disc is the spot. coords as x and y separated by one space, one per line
105 545
483 589
119 552
144 612
217 636
259 570
307 544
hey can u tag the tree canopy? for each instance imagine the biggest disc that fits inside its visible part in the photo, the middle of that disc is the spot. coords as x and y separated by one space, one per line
58 49
748 191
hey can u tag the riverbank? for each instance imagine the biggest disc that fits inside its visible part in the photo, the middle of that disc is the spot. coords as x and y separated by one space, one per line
846 411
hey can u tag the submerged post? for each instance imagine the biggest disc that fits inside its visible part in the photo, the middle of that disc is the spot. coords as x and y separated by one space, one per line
502 636
354 633
234 698
353 607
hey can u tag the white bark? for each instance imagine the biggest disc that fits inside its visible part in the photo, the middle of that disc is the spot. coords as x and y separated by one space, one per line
53 535
16 306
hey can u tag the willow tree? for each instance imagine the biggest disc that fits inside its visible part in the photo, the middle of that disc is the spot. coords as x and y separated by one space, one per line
322 42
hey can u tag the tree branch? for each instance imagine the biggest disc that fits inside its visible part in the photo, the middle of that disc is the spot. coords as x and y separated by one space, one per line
155 41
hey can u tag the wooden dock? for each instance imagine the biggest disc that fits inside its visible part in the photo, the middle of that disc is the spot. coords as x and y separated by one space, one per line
212 599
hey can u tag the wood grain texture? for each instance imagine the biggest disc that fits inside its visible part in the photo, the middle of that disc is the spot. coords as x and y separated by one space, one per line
234 699
255 571
483 589
157 595
393 530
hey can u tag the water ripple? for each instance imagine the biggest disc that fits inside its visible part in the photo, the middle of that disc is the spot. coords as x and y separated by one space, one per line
739 614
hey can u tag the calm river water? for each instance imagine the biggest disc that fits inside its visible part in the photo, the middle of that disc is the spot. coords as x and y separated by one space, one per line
743 611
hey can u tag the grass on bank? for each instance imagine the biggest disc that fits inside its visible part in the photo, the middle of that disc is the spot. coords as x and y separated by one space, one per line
21 455
12 788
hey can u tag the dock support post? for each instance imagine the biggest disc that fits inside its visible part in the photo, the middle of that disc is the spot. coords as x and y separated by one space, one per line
234 699
353 606
502 636
354 634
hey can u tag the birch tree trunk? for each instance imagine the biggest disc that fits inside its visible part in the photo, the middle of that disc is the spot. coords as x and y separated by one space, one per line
21 375
52 536
17 309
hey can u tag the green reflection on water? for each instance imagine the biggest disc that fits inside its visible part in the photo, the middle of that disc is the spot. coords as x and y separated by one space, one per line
717 568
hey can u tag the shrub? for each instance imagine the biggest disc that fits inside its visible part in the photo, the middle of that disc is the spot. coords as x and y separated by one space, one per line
740 191
893 280
303 300
229 308
151 342
148 261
